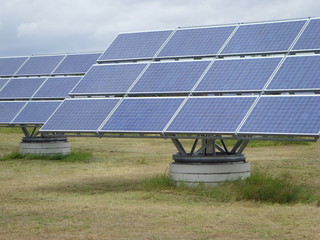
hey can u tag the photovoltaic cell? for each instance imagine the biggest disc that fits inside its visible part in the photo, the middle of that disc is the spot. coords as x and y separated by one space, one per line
238 75
139 45
77 63
36 112
297 73
21 88
266 37
8 66
76 115
170 77
115 78
310 37
196 42
41 65
211 115
142 115
284 115
8 110
57 87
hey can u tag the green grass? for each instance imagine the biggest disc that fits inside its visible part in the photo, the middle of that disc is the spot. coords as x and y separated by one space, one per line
259 187
72 157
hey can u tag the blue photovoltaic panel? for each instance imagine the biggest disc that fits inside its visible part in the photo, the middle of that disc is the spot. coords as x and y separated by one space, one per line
20 88
77 63
36 112
139 45
211 114
196 42
8 110
115 78
3 81
238 75
284 115
297 73
310 38
43 65
266 37
170 77
8 66
57 87
142 115
80 115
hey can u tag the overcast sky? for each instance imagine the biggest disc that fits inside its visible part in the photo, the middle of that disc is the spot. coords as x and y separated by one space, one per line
59 26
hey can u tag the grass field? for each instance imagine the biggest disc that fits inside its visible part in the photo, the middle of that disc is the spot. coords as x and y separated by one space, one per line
105 198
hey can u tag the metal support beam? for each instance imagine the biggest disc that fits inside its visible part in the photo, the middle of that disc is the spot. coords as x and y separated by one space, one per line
235 148
179 146
194 146
224 146
243 146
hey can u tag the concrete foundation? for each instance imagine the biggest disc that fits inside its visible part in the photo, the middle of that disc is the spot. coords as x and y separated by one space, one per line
44 147
210 174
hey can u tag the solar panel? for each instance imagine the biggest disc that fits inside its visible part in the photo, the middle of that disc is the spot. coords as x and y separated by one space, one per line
56 88
264 37
165 77
77 63
309 39
36 112
111 78
142 115
297 73
292 115
79 115
40 65
3 81
21 88
9 65
8 110
211 115
196 42
139 45
238 75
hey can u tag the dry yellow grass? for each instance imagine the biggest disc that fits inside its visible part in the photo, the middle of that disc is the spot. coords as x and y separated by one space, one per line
104 198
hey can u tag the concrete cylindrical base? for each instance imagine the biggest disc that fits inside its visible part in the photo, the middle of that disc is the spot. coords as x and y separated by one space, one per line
211 174
45 148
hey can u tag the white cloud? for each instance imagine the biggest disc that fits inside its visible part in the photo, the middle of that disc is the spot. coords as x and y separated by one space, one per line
50 26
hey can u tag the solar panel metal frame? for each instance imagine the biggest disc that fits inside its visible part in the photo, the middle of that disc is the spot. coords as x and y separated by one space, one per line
74 73
29 123
269 91
52 77
305 50
269 52
136 59
157 57
72 94
21 78
27 58
96 131
194 92
41 74
212 132
9 122
244 134
145 132
130 93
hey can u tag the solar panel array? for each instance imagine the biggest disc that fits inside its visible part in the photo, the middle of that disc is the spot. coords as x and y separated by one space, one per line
30 91
181 68
176 81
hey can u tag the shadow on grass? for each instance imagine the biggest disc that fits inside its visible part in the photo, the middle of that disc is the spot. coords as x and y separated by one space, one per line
93 186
